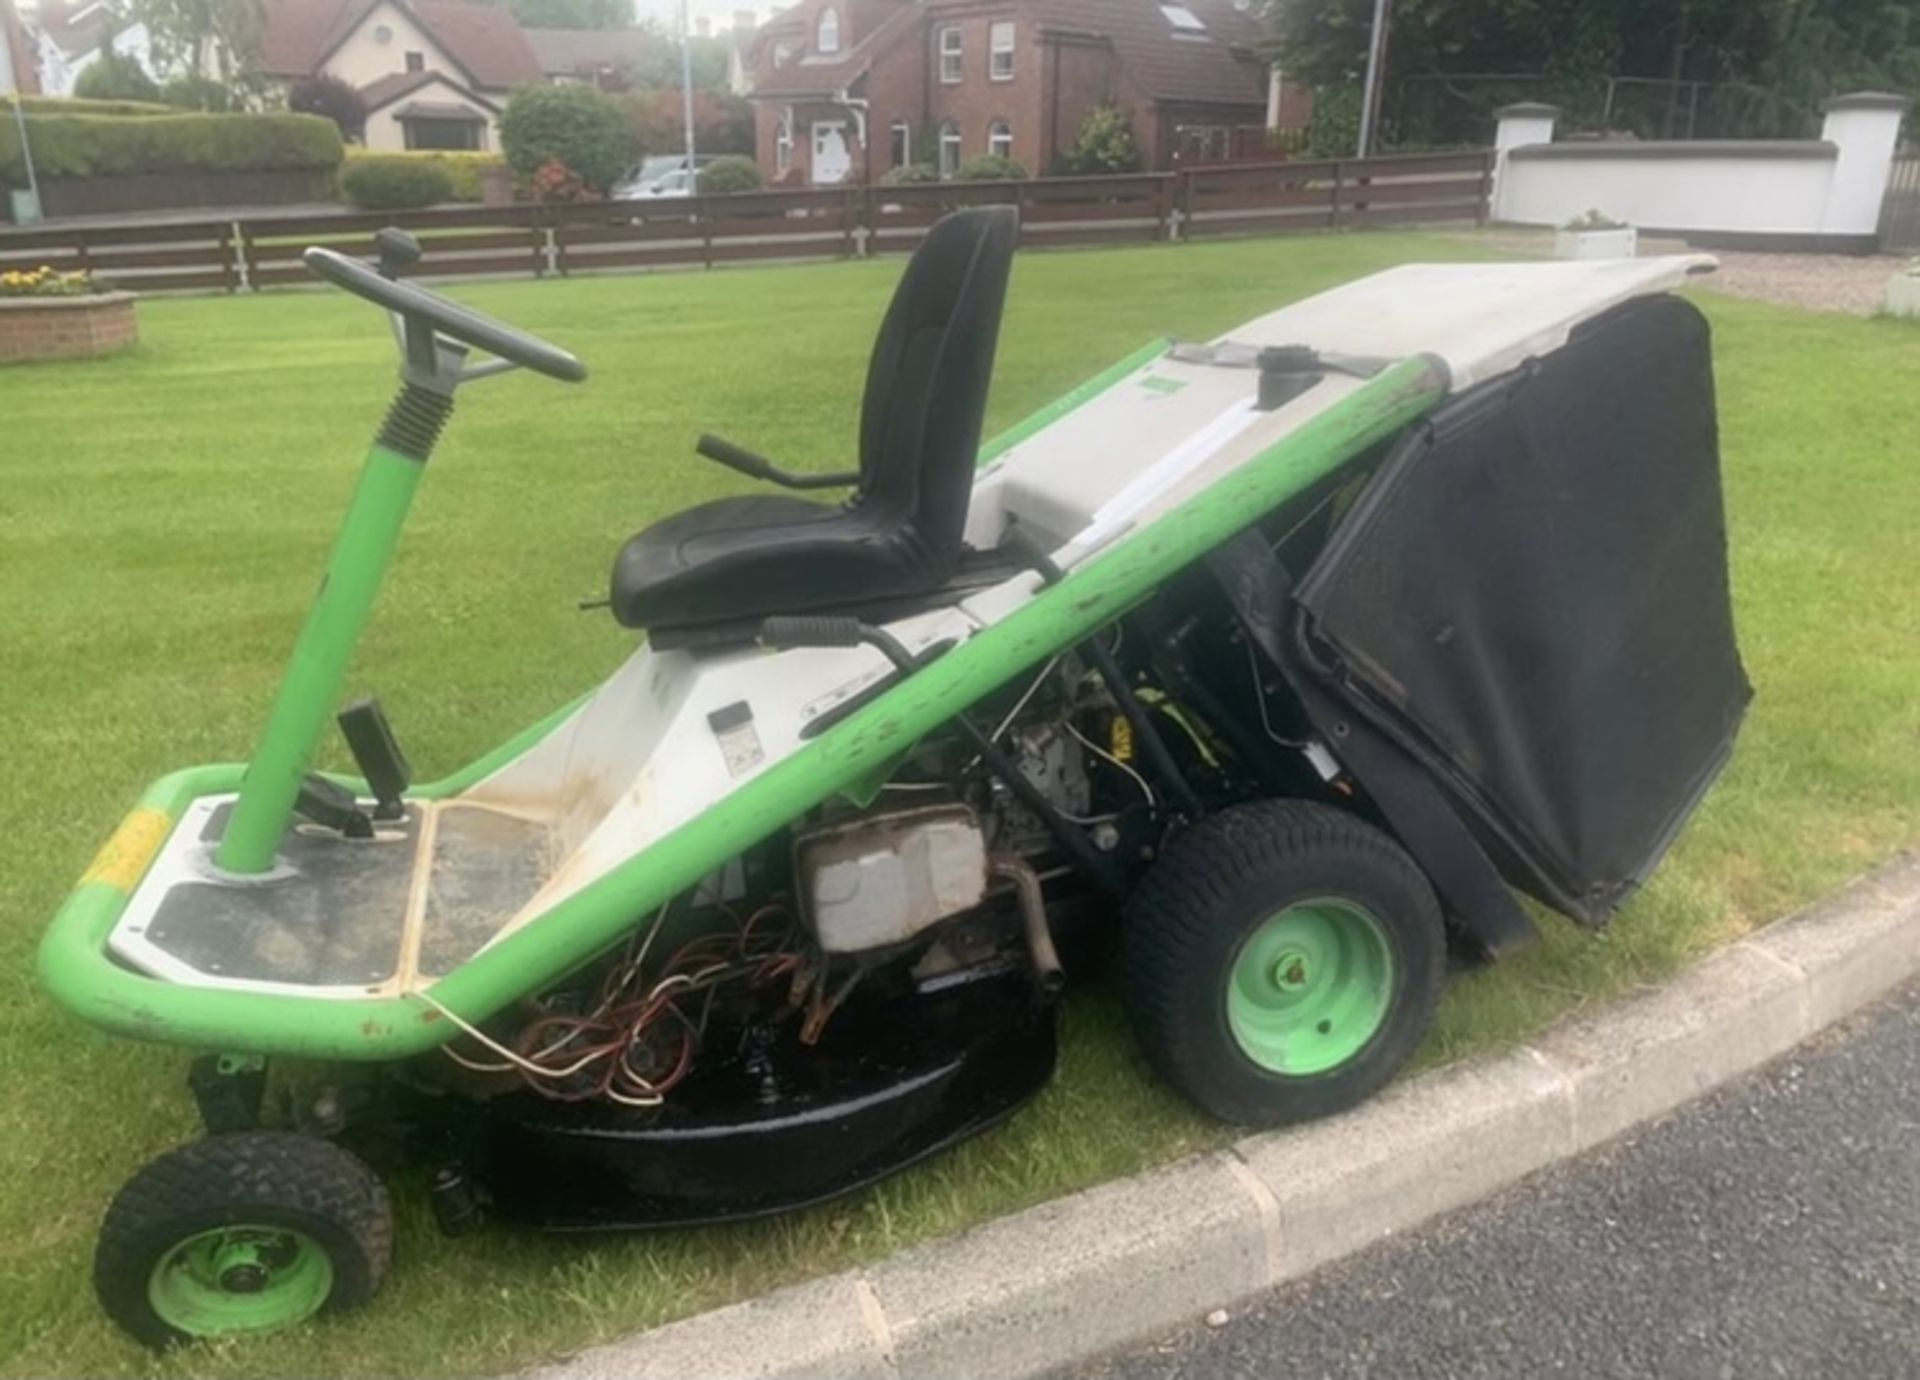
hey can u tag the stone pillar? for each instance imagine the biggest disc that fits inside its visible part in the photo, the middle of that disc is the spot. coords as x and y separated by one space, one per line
1864 126
1516 126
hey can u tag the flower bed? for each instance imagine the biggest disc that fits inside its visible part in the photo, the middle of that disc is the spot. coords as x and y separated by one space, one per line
49 315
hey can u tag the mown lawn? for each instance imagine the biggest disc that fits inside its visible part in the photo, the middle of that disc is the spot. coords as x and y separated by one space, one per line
163 516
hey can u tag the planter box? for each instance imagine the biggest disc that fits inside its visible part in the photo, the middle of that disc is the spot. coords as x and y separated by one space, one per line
1617 243
65 327
1903 295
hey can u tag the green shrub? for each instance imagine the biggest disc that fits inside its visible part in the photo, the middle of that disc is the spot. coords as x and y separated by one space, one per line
200 93
574 125
725 176
394 182
462 168
116 77
907 174
1105 144
990 167
108 146
73 105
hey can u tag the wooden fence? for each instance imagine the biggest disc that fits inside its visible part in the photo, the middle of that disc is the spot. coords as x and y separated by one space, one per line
821 223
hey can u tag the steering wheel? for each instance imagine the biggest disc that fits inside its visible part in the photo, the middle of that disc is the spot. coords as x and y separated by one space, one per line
448 318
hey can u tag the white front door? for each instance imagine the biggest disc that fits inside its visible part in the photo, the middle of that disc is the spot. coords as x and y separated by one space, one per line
832 160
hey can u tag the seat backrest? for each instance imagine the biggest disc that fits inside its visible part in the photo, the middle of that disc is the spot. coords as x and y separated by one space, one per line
926 392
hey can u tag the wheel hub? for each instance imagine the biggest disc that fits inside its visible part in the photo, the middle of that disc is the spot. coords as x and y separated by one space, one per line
240 1279
1291 971
1310 987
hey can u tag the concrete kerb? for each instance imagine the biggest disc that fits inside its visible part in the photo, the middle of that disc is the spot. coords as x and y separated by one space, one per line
1116 1264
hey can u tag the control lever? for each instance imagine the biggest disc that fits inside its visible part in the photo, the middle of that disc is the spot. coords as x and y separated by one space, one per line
332 806
364 725
398 251
756 466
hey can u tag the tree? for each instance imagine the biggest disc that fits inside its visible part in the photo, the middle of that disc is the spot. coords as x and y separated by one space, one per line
722 123
1105 145
659 62
202 37
329 96
116 77
573 14
1769 62
576 126
202 94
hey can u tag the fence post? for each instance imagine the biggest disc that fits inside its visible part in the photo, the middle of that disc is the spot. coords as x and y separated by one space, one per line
232 268
864 214
555 231
1486 187
1333 211
703 208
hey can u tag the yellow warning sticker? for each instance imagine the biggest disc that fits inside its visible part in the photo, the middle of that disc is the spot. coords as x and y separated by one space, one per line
124 858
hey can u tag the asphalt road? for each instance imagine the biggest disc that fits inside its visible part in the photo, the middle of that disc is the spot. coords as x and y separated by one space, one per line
1772 1229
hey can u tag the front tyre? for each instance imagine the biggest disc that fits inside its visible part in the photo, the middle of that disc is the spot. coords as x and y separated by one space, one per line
249 1232
1282 960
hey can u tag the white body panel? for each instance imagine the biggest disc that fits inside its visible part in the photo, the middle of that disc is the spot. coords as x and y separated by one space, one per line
642 756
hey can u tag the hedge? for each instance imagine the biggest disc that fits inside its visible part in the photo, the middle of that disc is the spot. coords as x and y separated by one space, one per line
108 146
726 176
462 168
74 105
394 182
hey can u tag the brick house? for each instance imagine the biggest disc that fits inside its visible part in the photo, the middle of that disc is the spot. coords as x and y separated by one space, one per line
845 90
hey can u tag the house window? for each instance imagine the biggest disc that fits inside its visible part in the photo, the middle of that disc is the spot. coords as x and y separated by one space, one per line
902 134
949 148
782 148
422 133
828 38
950 52
1000 139
416 62
1000 50
1183 18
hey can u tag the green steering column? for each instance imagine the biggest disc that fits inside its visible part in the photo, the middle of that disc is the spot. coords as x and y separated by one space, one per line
311 687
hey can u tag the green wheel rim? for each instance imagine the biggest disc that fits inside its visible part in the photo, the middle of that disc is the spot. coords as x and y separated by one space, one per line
1310 987
240 1279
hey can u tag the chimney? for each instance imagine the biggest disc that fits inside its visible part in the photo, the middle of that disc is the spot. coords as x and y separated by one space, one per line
743 21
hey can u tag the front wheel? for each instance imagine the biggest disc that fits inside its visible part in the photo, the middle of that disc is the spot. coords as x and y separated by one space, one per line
249 1232
1283 959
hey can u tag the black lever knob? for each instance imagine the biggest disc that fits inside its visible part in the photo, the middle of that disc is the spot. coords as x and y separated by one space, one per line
398 251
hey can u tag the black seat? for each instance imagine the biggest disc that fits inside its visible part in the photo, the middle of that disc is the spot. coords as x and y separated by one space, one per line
899 535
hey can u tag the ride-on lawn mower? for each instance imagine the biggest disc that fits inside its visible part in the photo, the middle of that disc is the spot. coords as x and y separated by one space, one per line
1274 661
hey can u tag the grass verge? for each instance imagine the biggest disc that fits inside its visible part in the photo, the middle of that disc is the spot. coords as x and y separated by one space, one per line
163 514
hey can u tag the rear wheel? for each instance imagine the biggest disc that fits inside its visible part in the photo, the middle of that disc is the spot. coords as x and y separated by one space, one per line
250 1232
1282 961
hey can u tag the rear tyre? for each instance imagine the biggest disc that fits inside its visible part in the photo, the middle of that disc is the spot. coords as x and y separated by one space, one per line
250 1232
1282 961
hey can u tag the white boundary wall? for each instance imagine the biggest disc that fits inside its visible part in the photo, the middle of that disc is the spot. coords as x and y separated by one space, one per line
1823 192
